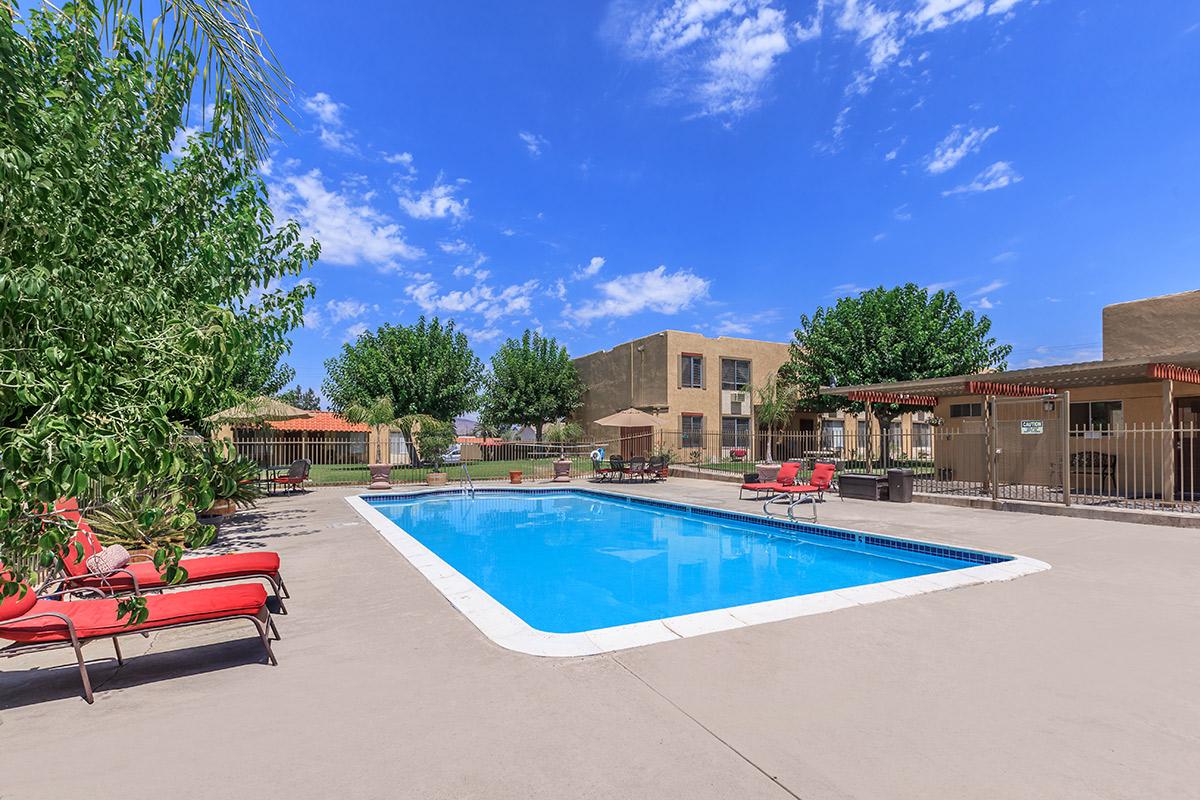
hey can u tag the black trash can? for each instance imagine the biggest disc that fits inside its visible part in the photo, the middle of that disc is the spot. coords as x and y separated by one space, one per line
900 485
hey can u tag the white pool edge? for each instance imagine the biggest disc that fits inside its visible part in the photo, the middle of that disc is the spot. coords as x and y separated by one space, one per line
495 621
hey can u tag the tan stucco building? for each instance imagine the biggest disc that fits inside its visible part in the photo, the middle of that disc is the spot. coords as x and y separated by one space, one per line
703 390
1124 421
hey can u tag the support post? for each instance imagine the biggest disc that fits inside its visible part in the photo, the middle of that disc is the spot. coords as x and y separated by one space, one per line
1064 416
1170 439
989 417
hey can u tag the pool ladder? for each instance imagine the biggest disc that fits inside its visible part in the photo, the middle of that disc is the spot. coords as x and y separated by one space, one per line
468 485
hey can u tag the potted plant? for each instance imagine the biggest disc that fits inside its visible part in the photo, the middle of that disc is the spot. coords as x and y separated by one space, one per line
434 438
667 455
379 415
234 484
563 433
776 402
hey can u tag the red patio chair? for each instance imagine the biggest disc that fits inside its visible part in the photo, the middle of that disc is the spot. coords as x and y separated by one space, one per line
142 576
35 623
786 477
818 483
297 474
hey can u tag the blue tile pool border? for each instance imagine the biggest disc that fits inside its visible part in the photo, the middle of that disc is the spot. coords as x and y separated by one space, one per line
808 529
498 623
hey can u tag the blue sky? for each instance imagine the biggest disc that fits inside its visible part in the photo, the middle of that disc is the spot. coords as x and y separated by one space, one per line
606 170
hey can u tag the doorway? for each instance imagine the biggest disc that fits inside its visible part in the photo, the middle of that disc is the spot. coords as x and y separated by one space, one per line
1187 448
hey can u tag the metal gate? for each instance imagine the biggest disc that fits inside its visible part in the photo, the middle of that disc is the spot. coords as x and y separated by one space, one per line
1028 448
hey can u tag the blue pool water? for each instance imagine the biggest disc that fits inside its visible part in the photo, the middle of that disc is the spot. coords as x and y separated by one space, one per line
570 561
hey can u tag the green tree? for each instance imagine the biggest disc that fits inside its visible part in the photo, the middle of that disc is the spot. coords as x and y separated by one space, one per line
124 275
434 438
298 396
425 368
776 402
533 381
883 335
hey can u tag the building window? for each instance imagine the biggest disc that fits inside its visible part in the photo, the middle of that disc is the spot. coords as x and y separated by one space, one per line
692 431
735 374
735 432
864 431
922 436
966 410
833 435
691 371
1102 415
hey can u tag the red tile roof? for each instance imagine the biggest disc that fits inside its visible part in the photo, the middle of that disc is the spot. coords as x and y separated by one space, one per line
319 421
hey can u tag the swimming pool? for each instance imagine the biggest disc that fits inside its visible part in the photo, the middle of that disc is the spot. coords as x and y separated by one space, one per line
576 570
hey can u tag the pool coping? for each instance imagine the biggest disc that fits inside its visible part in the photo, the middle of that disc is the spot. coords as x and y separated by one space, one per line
505 628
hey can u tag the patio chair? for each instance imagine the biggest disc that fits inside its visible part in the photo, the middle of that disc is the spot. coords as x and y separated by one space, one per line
34 623
786 477
141 575
637 467
601 472
617 467
296 476
655 466
818 483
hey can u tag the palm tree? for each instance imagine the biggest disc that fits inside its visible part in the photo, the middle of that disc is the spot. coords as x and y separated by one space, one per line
776 402
235 66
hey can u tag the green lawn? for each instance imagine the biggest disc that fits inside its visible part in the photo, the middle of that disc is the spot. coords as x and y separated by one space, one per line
533 469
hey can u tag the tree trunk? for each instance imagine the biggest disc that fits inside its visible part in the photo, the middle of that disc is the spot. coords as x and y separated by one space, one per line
538 430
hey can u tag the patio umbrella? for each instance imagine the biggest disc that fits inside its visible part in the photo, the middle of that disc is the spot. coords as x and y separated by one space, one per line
260 409
630 418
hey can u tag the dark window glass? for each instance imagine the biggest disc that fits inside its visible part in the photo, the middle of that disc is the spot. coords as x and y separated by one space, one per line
735 374
691 371
692 433
966 410
735 432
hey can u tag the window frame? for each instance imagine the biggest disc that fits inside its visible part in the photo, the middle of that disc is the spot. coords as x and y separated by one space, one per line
687 419
1091 428
737 434
686 374
749 374
974 410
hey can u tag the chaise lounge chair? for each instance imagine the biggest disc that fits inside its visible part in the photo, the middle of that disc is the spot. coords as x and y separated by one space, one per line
601 472
818 483
786 477
141 576
35 623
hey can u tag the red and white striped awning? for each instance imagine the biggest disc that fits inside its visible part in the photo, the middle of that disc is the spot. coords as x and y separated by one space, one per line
1007 389
893 397
1173 372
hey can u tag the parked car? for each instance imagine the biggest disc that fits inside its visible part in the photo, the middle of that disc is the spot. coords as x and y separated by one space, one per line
453 455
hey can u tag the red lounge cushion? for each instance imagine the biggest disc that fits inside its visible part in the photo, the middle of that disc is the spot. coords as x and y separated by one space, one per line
787 473
805 488
17 605
95 618
762 487
286 479
201 568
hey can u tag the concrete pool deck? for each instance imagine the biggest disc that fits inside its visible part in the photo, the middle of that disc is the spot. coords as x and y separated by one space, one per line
1077 682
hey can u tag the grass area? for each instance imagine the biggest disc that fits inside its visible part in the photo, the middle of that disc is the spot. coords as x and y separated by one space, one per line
533 468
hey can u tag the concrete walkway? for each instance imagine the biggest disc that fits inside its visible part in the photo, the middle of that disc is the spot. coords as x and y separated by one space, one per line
1079 682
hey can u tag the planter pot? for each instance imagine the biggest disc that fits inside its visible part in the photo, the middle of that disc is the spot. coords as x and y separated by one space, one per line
436 479
381 476
562 470
767 472
221 508
515 476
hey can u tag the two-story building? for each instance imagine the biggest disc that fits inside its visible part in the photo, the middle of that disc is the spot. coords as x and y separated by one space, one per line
703 390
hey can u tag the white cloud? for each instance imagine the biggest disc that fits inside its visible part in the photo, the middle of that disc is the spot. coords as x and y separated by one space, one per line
655 290
1001 6
719 54
984 303
457 247
846 289
485 334
436 202
890 155
729 327
533 142
329 114
938 286
507 232
806 33
957 145
558 290
468 272
997 176
592 267
1007 255
902 213
346 309
989 288
323 107
350 230
932 15
481 299
404 159
354 331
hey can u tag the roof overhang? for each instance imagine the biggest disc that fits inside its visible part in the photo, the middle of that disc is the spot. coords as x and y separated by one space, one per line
1034 381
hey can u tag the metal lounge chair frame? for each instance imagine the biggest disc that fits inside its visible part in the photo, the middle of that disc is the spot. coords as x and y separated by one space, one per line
262 623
